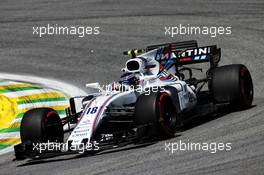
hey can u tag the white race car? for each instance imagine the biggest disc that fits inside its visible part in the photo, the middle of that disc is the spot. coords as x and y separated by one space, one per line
155 95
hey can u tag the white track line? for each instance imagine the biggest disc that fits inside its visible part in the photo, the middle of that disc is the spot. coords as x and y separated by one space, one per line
8 135
63 87
7 150
27 92
41 104
6 83
53 85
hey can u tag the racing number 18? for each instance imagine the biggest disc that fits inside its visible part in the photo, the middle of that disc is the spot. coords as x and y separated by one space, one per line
92 110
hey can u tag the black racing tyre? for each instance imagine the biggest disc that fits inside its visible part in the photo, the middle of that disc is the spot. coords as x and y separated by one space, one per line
232 84
157 113
41 125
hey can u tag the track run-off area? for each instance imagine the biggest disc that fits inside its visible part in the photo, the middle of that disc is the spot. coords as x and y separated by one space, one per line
19 94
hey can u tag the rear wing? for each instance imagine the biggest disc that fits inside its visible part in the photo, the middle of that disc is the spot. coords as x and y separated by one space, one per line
186 52
203 54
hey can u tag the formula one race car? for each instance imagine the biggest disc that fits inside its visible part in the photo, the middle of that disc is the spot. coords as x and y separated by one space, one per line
155 95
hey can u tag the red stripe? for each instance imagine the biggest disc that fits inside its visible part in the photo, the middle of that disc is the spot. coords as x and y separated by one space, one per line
89 104
185 59
100 110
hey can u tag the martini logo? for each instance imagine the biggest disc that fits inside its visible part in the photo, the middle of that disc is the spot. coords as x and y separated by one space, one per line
197 51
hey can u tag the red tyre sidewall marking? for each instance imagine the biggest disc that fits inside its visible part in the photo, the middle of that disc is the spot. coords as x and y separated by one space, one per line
243 72
48 115
161 109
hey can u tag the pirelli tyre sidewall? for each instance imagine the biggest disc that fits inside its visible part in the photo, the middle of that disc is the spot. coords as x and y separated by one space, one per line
232 84
41 125
157 114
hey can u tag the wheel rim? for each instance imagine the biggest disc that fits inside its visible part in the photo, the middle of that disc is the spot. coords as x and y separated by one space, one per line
167 113
51 127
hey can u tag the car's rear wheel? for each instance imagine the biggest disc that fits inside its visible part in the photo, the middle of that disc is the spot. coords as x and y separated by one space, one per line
156 114
232 84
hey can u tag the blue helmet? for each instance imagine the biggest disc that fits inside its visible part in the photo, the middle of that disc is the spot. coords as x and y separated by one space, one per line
128 79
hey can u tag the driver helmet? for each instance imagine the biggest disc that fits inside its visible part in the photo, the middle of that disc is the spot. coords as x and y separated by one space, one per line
129 79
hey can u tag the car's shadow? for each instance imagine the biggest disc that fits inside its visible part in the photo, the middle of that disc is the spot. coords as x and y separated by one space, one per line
222 111
77 156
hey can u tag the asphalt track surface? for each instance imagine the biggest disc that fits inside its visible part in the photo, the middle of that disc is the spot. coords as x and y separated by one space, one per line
132 24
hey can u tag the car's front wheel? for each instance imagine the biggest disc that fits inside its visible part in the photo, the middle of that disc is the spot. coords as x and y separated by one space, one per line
41 125
157 113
